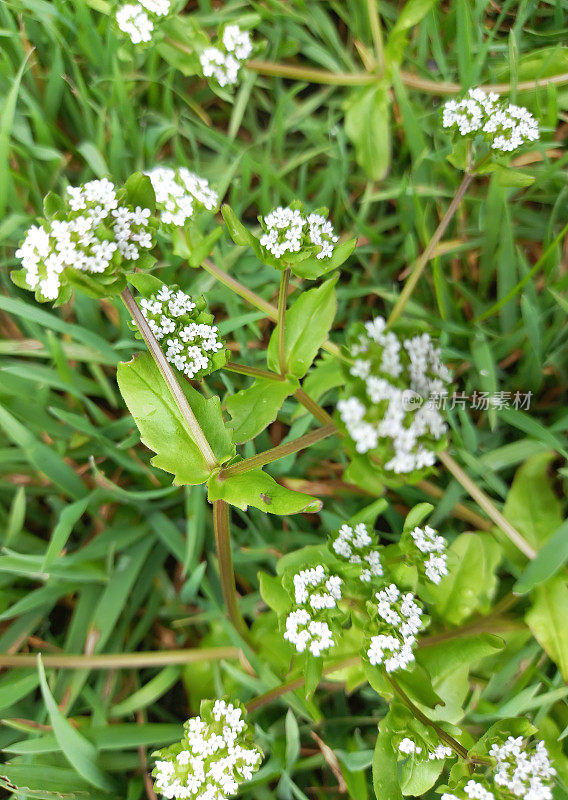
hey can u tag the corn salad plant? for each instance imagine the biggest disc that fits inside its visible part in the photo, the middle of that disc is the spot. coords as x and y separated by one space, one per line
282 462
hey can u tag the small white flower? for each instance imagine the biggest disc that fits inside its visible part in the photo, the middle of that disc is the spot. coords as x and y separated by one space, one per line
217 755
441 751
358 546
190 343
179 192
505 126
398 622
376 410
94 231
409 747
223 59
432 549
524 771
134 21
287 231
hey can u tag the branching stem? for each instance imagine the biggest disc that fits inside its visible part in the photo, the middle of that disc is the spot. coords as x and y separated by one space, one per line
281 451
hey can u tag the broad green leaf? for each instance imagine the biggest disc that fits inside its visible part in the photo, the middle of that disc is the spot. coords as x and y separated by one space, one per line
253 409
385 768
313 267
161 425
451 654
367 124
417 515
307 324
531 505
80 753
273 593
472 561
547 620
506 176
549 560
144 282
417 684
257 488
364 475
419 775
140 192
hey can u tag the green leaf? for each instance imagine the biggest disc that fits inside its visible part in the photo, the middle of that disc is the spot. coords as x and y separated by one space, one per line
273 593
419 775
237 231
531 505
547 620
417 515
140 192
161 425
472 561
385 769
367 124
513 178
203 248
451 654
418 686
313 267
549 560
363 474
52 204
307 324
80 753
144 283
253 409
257 488
313 673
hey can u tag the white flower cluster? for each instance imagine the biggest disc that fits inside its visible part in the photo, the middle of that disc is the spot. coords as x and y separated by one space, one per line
179 193
390 405
315 591
96 232
505 126
287 231
399 620
223 61
137 19
525 774
409 747
473 790
358 546
190 343
215 756
432 545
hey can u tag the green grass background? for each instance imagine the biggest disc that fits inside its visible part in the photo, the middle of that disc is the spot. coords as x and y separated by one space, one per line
139 569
